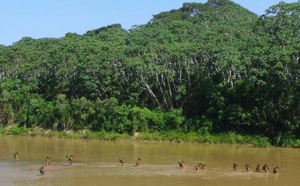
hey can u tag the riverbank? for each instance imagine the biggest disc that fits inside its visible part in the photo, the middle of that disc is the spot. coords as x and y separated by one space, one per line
168 136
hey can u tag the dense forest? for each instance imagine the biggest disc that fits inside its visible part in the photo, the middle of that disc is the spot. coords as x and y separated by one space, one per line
205 68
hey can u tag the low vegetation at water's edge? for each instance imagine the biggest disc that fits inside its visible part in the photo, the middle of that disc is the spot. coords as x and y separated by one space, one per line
170 136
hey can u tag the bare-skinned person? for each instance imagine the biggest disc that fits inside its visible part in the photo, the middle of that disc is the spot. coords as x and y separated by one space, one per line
234 166
257 168
266 168
138 162
200 166
276 170
16 156
181 164
247 166
47 161
122 161
70 158
42 170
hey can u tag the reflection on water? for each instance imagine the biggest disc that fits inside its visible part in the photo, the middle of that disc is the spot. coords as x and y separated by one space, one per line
97 163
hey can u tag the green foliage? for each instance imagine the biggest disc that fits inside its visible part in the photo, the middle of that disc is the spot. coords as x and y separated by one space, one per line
202 72
14 130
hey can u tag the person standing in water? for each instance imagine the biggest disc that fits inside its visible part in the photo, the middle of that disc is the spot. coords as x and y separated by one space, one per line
181 164
47 161
257 168
16 156
138 162
122 161
70 158
266 168
276 170
234 166
200 166
42 170
247 166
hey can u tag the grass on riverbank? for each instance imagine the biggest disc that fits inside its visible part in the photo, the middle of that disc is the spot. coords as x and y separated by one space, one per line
82 134
171 136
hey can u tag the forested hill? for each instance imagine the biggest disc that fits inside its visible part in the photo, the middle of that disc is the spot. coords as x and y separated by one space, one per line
205 68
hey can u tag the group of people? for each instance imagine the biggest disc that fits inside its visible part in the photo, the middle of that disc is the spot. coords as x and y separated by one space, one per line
137 164
199 166
42 168
265 168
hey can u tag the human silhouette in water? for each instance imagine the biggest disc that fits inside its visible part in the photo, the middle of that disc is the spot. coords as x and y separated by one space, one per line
16 156
234 166
266 168
181 164
200 166
257 168
138 162
70 158
47 161
42 170
247 166
276 170
122 161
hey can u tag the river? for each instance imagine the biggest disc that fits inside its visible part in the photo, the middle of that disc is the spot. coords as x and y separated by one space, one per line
97 163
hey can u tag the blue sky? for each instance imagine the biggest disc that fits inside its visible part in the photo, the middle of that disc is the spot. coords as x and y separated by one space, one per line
55 18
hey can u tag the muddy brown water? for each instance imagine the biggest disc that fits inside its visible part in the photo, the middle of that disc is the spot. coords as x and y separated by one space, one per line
96 163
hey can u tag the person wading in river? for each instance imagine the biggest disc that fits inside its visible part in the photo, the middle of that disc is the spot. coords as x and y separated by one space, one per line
266 168
276 170
122 161
247 166
42 170
70 158
257 168
138 162
181 164
200 166
47 161
16 156
234 166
